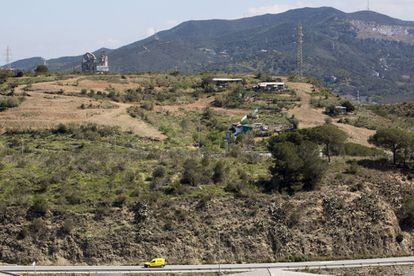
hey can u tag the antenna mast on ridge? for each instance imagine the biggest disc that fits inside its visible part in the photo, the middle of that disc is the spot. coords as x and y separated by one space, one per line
8 58
368 6
299 51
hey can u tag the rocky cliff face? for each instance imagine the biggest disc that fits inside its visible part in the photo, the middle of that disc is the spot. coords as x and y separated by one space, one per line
351 216
372 30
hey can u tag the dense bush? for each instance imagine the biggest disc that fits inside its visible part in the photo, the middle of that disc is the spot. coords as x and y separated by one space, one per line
41 69
352 149
220 172
349 106
193 173
406 213
10 102
297 165
88 131
40 207
67 226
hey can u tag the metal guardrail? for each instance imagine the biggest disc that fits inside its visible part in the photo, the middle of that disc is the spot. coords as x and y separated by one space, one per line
210 268
8 273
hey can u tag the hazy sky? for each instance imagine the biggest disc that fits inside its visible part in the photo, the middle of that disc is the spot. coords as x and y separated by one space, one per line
54 28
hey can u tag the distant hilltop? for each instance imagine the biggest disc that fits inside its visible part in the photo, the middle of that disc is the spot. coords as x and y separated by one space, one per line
363 53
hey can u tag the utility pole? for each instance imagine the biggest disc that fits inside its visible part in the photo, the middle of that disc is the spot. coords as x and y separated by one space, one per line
299 51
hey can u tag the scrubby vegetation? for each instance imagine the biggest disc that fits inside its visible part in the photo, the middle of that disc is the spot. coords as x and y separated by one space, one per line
112 196
7 102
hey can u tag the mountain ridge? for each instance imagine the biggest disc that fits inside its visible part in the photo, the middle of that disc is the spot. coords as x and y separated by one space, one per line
362 51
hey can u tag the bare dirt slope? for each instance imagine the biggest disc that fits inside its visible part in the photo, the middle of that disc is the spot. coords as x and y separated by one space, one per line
42 111
311 117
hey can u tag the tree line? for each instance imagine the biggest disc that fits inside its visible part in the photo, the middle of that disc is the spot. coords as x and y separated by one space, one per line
397 141
301 157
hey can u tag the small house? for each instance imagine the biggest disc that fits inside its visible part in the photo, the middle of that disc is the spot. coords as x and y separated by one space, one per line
340 110
270 86
225 82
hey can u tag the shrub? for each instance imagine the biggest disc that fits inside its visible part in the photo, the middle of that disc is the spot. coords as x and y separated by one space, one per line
294 218
61 129
399 238
102 211
349 106
67 226
24 232
40 207
10 102
294 122
193 173
159 172
119 201
235 187
19 74
147 105
353 168
41 69
220 172
352 149
38 226
406 213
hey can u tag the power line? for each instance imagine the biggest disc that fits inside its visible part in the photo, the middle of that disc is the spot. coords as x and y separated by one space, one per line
299 50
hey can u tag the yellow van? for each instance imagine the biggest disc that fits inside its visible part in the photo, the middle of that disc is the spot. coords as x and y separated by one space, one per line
157 262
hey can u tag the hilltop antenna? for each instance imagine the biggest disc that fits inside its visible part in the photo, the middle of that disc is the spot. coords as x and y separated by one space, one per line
299 51
8 58
156 37
368 6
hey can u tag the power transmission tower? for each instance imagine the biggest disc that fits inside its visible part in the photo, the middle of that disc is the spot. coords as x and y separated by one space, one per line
8 58
299 51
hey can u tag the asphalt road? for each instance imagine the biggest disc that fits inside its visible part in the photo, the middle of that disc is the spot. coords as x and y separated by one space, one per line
398 261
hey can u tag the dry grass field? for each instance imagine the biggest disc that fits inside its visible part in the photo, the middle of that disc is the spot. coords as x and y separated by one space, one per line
76 84
41 110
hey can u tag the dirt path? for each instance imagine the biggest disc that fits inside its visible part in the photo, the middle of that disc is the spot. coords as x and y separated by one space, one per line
310 117
43 111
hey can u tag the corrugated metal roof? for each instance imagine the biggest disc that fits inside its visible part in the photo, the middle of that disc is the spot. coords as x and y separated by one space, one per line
226 79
